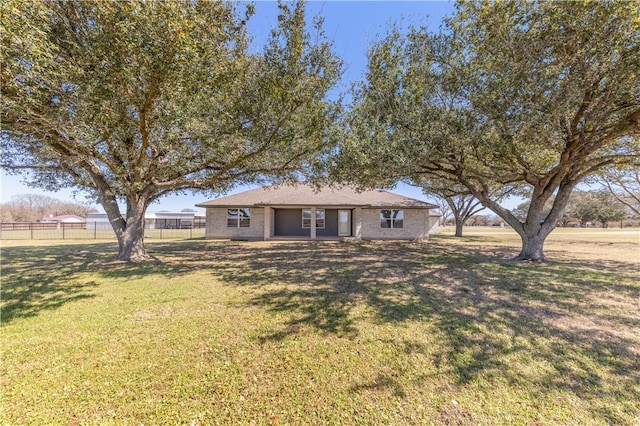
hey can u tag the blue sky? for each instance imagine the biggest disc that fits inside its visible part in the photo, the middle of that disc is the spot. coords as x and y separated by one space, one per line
352 25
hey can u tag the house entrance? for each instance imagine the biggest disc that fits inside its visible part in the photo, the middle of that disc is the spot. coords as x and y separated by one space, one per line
297 222
344 223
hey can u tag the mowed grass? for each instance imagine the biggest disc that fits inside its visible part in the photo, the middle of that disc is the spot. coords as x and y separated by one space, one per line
445 332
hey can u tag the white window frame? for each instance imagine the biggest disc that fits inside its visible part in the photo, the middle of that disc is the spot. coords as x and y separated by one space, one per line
322 219
238 220
391 220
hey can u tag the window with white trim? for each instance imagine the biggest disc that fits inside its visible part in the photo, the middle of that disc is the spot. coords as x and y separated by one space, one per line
239 218
391 219
306 218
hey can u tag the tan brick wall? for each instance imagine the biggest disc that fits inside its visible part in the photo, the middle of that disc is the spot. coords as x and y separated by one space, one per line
217 225
416 225
434 224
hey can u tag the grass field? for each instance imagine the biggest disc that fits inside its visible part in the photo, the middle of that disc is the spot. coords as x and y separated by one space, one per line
445 332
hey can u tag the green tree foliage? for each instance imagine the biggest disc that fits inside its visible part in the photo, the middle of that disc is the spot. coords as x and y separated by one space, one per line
582 208
609 209
134 100
522 98
596 206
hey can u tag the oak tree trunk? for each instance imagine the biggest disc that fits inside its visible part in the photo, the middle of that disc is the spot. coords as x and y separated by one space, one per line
537 225
131 240
532 248
129 230
459 225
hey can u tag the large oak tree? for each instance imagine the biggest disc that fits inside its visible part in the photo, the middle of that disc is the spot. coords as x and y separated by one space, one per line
134 100
514 97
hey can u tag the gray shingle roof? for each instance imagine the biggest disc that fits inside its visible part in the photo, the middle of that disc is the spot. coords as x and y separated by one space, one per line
306 195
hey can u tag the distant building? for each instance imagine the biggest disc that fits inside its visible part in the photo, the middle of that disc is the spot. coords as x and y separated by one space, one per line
65 218
169 220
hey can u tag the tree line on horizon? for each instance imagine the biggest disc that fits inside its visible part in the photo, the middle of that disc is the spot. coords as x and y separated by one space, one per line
135 100
591 208
35 207
617 201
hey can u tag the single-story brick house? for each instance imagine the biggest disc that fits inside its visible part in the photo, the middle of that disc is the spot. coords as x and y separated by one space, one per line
301 212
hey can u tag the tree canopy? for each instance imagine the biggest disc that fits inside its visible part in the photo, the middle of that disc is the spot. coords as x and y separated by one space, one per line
592 206
510 98
134 100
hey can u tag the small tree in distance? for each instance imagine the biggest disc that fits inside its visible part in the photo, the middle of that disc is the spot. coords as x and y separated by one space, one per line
596 206
461 207
454 199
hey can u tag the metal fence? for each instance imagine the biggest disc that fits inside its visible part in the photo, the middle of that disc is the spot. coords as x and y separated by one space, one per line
83 231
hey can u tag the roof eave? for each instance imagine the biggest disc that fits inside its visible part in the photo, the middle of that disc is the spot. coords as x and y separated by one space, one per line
321 206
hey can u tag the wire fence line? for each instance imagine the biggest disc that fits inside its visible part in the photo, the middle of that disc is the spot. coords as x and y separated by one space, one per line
84 231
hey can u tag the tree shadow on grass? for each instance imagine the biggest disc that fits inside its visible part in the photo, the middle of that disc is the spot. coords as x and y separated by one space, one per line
40 278
575 318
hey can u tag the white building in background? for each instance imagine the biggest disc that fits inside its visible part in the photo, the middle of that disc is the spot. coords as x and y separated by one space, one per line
154 220
65 218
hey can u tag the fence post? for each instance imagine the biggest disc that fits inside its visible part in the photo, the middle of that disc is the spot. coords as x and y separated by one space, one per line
63 229
95 227
31 229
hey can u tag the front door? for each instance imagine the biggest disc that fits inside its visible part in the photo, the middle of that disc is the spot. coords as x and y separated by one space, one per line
344 223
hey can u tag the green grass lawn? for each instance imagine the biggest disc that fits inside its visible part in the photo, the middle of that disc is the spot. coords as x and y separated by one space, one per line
444 332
